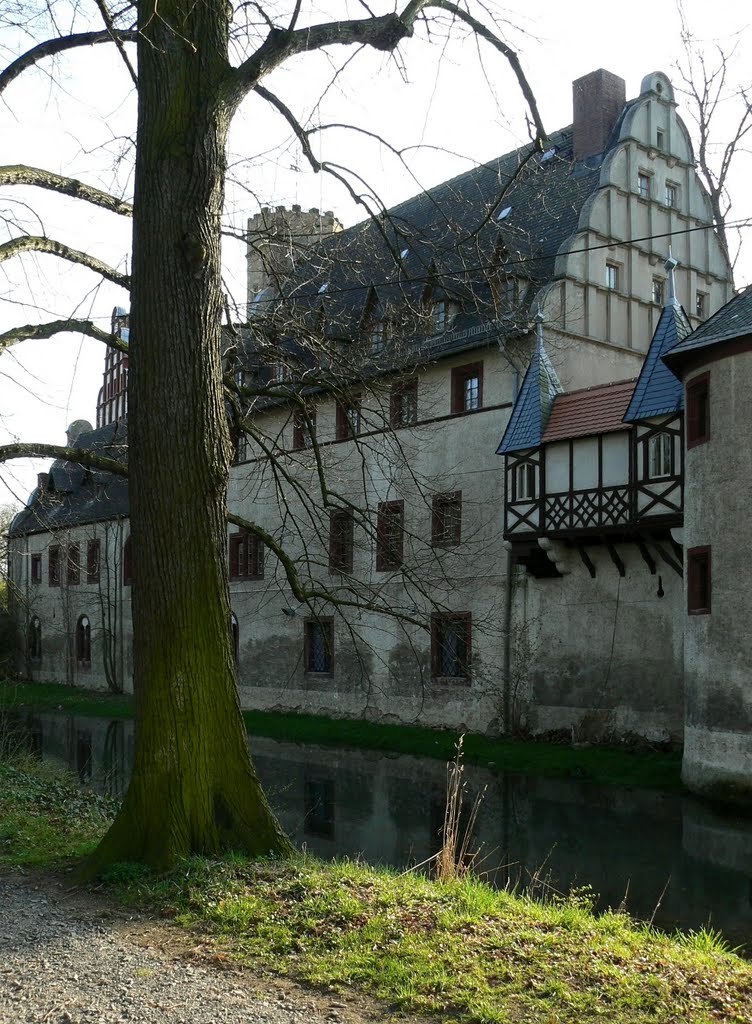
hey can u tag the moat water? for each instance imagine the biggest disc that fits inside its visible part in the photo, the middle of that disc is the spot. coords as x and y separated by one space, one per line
664 857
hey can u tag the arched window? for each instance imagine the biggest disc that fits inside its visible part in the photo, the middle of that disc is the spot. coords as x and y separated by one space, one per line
34 641
83 642
235 631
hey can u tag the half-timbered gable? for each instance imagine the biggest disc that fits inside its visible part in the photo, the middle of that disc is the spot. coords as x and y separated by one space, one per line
587 462
656 410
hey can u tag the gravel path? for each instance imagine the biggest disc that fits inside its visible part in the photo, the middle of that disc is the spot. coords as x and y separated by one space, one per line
68 958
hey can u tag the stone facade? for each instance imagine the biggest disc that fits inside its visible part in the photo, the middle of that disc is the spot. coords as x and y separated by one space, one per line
404 433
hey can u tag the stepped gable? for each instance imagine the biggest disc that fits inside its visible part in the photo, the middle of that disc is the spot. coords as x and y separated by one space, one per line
74 495
594 410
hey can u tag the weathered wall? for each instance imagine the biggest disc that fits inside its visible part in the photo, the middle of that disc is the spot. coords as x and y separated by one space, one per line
717 646
58 608
599 660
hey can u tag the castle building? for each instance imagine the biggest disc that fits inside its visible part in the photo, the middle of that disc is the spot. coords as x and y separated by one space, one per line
379 367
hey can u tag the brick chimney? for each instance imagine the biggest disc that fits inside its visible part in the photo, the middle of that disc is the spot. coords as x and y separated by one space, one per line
598 100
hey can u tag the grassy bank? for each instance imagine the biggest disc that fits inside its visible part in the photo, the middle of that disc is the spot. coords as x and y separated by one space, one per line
455 949
651 770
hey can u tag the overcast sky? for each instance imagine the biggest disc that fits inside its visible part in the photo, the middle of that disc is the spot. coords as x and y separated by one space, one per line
458 102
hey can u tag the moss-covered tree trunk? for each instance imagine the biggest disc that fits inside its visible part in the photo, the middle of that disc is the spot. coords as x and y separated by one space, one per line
194 789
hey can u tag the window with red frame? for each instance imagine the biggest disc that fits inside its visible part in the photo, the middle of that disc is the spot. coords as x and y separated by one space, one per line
53 566
467 388
74 565
318 652
403 404
303 427
451 634
246 556
446 519
93 549
390 531
341 530
698 581
36 568
348 419
83 642
698 410
34 641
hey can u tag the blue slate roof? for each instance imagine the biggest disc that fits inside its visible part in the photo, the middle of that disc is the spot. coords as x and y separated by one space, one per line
658 392
533 405
734 320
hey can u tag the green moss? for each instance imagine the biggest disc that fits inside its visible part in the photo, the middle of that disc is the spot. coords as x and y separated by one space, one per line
552 760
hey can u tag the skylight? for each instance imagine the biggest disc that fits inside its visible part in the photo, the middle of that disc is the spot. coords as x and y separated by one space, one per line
323 287
548 155
404 254
504 213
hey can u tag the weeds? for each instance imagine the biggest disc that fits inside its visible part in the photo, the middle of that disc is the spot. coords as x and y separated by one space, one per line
455 858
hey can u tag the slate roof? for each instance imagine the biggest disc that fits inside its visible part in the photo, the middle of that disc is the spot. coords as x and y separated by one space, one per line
658 391
445 239
532 406
76 495
732 321
595 410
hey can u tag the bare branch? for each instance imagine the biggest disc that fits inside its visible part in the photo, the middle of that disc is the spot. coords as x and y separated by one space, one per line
50 47
48 330
81 456
107 19
20 174
35 243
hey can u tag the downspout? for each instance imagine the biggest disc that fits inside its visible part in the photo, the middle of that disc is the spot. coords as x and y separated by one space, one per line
506 697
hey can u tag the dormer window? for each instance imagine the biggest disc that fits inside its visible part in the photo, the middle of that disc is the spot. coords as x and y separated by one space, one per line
378 336
439 316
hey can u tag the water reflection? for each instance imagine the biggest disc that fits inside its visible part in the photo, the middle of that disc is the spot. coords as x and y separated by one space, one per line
667 858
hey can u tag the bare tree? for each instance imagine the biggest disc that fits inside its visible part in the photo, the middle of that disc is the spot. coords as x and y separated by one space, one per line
193 788
706 82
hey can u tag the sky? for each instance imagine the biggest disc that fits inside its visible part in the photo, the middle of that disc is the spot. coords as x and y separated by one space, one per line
445 105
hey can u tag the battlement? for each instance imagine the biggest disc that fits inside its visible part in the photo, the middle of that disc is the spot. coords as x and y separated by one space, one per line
275 239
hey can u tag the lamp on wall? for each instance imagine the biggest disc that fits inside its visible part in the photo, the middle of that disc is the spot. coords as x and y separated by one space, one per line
660 591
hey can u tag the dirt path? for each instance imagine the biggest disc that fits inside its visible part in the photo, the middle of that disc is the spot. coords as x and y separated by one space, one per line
68 956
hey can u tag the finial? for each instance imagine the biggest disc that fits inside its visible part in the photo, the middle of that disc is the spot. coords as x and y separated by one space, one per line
671 264
539 321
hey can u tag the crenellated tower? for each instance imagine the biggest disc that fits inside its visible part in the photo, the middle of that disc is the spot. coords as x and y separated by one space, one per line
276 239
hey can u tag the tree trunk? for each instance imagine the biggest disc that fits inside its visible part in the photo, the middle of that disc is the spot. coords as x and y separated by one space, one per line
194 788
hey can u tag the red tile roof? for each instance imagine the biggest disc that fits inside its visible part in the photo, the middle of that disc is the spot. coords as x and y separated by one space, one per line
596 410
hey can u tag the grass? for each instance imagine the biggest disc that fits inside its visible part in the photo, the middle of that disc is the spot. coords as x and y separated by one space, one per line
46 817
454 949
651 770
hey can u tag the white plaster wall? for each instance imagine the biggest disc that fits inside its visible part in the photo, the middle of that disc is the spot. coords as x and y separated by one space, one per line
603 656
107 605
382 664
